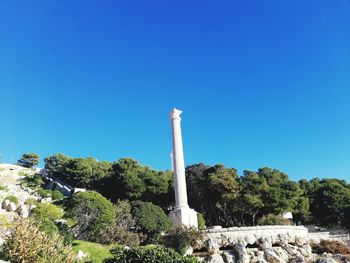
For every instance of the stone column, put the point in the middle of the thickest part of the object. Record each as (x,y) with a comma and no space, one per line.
(182,214)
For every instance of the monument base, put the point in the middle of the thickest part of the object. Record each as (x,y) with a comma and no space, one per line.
(184,216)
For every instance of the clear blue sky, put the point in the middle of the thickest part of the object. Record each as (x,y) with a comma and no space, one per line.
(261,83)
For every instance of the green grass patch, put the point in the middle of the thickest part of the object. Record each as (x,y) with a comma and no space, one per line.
(4,222)
(3,187)
(12,198)
(96,251)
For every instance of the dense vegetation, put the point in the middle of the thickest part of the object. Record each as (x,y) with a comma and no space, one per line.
(218,193)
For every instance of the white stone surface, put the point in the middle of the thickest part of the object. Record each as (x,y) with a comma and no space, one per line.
(182,214)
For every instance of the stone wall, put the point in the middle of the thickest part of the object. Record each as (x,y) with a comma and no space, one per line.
(56,184)
(253,235)
(279,244)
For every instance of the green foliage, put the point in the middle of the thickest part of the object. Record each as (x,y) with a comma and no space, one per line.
(134,181)
(43,192)
(122,232)
(201,221)
(271,219)
(330,203)
(151,221)
(12,198)
(148,255)
(29,160)
(49,211)
(180,238)
(31,201)
(56,195)
(93,215)
(79,172)
(3,187)
(97,252)
(4,221)
(33,181)
(47,225)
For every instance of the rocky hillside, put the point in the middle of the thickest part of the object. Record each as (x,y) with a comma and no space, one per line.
(13,196)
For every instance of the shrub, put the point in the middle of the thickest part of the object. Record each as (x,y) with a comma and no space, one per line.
(271,219)
(46,225)
(151,220)
(93,214)
(49,211)
(201,221)
(31,201)
(12,198)
(4,221)
(33,181)
(148,255)
(44,193)
(180,238)
(328,246)
(66,233)
(3,187)
(56,195)
(27,243)
(121,232)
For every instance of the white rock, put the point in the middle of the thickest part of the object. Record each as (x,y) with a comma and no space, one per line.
(5,203)
(229,256)
(11,207)
(46,200)
(81,255)
(215,258)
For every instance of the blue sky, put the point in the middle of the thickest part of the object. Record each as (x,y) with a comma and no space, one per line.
(261,83)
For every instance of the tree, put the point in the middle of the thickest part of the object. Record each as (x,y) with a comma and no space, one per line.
(331,203)
(29,160)
(150,219)
(93,215)
(55,165)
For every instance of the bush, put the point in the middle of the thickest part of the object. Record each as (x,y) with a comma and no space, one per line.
(180,238)
(12,198)
(151,221)
(3,187)
(66,233)
(46,225)
(49,211)
(328,246)
(56,195)
(201,221)
(93,214)
(121,232)
(31,201)
(43,193)
(148,255)
(27,243)
(271,219)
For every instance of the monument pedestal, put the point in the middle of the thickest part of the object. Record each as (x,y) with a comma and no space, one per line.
(184,216)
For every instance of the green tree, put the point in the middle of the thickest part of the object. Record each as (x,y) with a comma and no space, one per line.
(93,215)
(331,203)
(29,160)
(150,219)
(55,165)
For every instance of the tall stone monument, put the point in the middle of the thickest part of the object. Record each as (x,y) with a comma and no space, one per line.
(182,213)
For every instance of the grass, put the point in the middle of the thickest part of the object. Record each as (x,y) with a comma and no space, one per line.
(4,222)
(3,187)
(96,251)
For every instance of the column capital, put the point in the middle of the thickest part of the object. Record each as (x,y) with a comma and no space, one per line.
(175,114)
